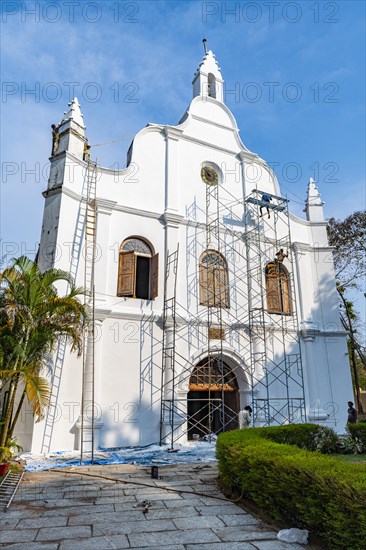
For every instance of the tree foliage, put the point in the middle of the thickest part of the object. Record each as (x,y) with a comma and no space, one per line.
(349,240)
(32,317)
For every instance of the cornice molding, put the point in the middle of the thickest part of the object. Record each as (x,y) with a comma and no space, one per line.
(53,191)
(102,314)
(213,123)
(300,246)
(172,218)
(105,206)
(172,132)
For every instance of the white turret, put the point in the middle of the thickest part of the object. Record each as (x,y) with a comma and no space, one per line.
(314,203)
(207,80)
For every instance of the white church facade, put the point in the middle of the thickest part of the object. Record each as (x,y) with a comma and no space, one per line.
(209,295)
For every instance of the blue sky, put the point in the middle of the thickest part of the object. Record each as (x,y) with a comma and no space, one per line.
(297,68)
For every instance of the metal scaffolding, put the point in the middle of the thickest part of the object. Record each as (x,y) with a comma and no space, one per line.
(252,349)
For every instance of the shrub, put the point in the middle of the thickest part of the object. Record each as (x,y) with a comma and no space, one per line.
(358,434)
(349,446)
(310,437)
(303,488)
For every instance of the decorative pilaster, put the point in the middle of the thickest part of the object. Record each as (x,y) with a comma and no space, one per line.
(91,414)
(259,362)
(105,255)
(310,333)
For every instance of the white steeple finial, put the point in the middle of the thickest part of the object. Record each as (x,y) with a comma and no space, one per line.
(313,203)
(71,130)
(74,113)
(207,80)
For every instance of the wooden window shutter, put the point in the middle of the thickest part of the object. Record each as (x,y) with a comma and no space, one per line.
(285,293)
(273,290)
(154,276)
(221,287)
(211,289)
(203,272)
(126,274)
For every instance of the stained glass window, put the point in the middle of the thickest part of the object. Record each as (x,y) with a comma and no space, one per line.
(138,246)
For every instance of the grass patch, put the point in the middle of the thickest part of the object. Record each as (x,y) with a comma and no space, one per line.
(356,459)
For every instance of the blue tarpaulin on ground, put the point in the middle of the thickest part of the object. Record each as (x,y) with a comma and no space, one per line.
(197,451)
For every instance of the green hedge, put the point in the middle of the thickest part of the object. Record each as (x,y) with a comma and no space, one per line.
(310,437)
(358,433)
(298,487)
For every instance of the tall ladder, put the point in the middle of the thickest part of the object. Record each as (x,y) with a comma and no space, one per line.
(90,236)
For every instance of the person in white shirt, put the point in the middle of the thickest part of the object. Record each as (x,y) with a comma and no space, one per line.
(244,417)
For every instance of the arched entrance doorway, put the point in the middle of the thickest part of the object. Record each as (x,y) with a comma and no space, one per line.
(213,398)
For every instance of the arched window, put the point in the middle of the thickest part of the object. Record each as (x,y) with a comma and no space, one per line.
(278,289)
(212,374)
(213,280)
(137,270)
(211,85)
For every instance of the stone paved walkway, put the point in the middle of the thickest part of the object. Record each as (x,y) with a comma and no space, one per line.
(57,511)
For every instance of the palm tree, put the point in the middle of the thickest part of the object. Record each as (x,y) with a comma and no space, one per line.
(32,317)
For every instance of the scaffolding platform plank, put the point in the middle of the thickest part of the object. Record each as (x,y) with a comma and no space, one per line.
(266,204)
(270,195)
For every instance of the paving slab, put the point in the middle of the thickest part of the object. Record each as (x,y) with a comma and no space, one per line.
(185,524)
(222,546)
(37,523)
(126,506)
(133,527)
(59,533)
(162,540)
(31,546)
(14,535)
(106,518)
(183,511)
(220,509)
(79,510)
(277,545)
(97,543)
(8,523)
(243,533)
(238,519)
(168,547)
(182,503)
(19,512)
